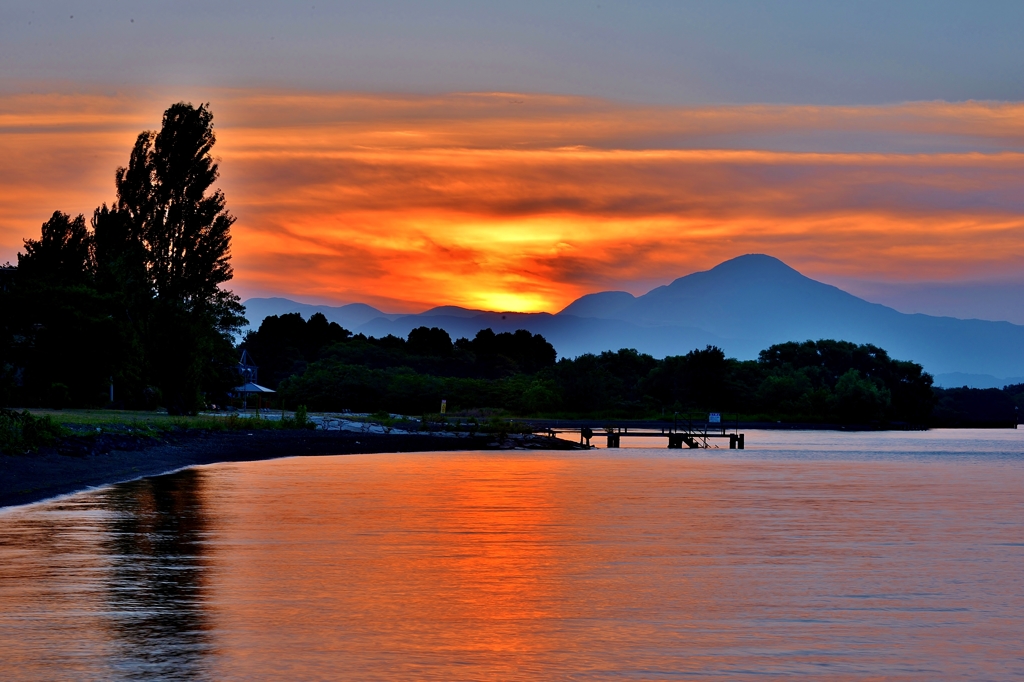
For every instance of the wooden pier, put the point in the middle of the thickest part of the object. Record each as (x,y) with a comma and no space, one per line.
(686,432)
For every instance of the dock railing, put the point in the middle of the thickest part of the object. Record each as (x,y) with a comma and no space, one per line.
(690,430)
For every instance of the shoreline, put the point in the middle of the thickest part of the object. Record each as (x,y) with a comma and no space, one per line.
(72,466)
(598,423)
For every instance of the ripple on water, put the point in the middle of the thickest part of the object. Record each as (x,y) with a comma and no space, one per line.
(846,556)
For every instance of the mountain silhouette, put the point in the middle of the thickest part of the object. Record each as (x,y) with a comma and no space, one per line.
(743,306)
(348,316)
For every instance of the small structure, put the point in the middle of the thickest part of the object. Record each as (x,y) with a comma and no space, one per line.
(249,372)
(245,390)
(247,369)
(687,431)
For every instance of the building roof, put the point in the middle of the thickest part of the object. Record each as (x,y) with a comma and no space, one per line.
(252,388)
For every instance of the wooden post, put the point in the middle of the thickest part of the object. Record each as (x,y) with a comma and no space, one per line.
(740,441)
(613,440)
(732,441)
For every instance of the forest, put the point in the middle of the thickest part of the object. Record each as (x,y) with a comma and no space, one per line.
(322,365)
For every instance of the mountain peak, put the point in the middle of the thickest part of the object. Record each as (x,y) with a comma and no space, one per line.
(752,266)
(601,305)
(452,311)
(759,262)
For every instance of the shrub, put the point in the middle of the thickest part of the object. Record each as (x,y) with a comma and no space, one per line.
(299,421)
(21,432)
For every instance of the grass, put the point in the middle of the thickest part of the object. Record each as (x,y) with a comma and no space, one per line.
(130,421)
(27,430)
(121,419)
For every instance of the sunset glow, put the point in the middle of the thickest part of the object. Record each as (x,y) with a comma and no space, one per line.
(523,202)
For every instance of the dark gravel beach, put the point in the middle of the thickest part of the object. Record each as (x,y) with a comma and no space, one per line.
(80,462)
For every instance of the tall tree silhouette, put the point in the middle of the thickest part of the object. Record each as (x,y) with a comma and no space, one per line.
(188,236)
(165,204)
(166,244)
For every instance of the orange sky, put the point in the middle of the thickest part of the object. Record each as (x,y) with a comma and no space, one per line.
(524,202)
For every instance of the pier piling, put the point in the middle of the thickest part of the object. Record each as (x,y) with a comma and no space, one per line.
(688,432)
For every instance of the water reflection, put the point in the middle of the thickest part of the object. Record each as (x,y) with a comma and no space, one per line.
(107,585)
(524,566)
(154,539)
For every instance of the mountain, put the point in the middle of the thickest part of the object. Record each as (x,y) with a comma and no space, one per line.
(754,301)
(743,306)
(958,379)
(452,311)
(348,316)
(605,305)
(570,335)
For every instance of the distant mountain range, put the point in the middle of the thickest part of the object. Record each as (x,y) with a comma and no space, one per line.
(742,305)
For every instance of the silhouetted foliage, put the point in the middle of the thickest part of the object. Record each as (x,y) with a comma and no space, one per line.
(139,298)
(977,407)
(57,323)
(430,341)
(817,381)
(21,432)
(609,382)
(166,215)
(62,256)
(843,381)
(699,380)
(285,344)
(507,353)
(1016,393)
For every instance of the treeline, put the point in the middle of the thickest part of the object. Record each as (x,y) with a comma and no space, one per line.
(132,301)
(978,407)
(319,364)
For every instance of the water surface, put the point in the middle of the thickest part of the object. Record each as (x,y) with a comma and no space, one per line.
(811,554)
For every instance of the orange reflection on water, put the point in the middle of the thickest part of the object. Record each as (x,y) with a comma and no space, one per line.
(524,566)
(520,567)
(392,556)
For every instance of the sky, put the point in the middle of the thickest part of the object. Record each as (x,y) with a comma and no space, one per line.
(514,156)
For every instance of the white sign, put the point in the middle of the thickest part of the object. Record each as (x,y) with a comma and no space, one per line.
(715,418)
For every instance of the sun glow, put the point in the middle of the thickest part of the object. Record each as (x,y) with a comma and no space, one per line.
(508,302)
(410,202)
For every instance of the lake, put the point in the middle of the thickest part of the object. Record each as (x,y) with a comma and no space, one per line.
(823,555)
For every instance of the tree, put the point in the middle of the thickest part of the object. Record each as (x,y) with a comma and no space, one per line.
(165,205)
(165,247)
(284,345)
(507,353)
(697,380)
(63,254)
(432,341)
(859,399)
(61,322)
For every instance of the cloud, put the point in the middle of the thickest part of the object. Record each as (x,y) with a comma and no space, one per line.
(524,202)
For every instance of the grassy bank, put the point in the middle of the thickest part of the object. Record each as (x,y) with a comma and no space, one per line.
(26,431)
(133,420)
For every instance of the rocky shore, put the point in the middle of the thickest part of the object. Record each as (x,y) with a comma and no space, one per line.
(79,462)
